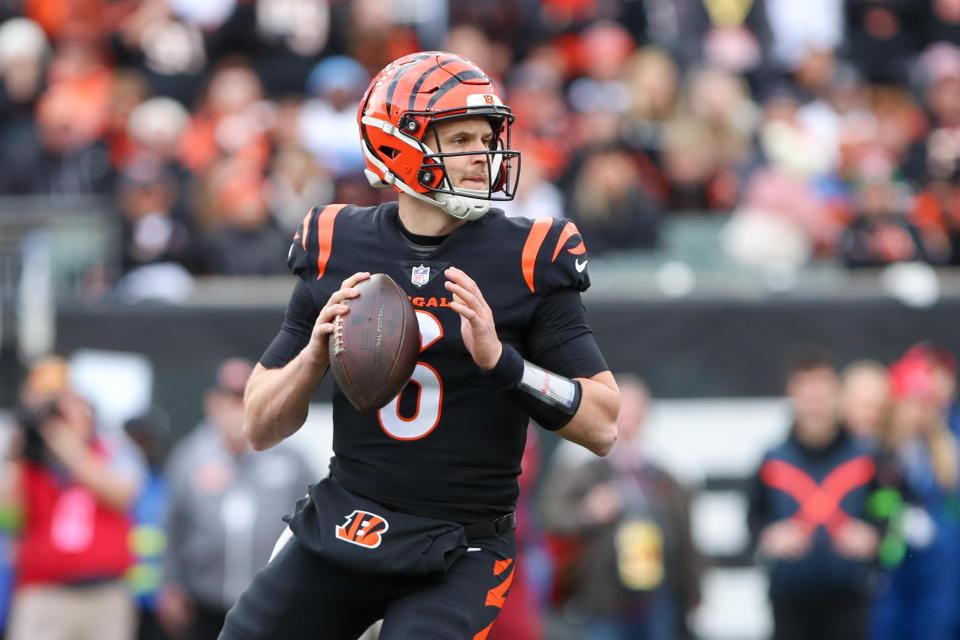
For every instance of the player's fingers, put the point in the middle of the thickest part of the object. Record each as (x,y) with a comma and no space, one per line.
(324,329)
(464,311)
(343,294)
(331,311)
(352,281)
(460,277)
(465,296)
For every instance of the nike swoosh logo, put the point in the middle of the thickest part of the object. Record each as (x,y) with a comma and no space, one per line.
(580,265)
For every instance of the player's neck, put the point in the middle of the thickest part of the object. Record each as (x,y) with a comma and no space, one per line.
(425,219)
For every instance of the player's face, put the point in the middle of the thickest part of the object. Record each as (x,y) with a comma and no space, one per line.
(471,135)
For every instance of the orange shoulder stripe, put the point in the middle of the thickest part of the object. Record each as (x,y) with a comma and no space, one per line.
(568,232)
(325,235)
(538,233)
(305,225)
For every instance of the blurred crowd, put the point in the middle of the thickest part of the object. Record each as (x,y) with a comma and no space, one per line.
(113,535)
(855,514)
(823,129)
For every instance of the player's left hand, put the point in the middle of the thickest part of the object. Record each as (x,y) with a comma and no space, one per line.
(476,319)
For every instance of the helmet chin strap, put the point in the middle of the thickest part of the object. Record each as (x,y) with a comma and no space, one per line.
(465,204)
(462,207)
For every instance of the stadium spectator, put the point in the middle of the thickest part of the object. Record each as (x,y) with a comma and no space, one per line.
(168,52)
(296,183)
(544,121)
(24,51)
(232,120)
(604,49)
(238,235)
(155,129)
(731,36)
(881,232)
(637,572)
(128,90)
(690,164)
(69,489)
(472,42)
(865,398)
(328,119)
(652,84)
(152,231)
(282,37)
(799,27)
(883,36)
(607,201)
(844,99)
(948,389)
(148,540)
(939,71)
(224,516)
(942,21)
(73,161)
(807,511)
(917,599)
(721,102)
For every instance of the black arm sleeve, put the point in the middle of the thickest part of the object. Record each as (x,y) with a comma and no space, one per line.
(560,340)
(295,331)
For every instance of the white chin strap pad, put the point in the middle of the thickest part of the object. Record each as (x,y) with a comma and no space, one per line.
(462,207)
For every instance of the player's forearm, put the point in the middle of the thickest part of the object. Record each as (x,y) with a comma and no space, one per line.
(594,426)
(276,401)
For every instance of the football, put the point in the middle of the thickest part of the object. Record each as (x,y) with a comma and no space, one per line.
(374,346)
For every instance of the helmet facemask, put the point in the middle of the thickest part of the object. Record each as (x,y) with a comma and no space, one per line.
(502,168)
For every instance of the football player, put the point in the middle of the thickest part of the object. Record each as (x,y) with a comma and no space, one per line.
(414,525)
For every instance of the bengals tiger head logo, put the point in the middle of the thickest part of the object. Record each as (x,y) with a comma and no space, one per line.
(363,528)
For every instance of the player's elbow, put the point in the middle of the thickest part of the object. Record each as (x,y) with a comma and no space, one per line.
(254,440)
(257,437)
(605,439)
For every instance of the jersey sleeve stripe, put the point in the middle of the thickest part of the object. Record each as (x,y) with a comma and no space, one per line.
(538,233)
(568,232)
(305,225)
(325,235)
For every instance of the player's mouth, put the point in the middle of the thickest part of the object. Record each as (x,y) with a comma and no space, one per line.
(474,182)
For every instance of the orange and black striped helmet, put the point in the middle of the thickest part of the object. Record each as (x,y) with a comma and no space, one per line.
(395,113)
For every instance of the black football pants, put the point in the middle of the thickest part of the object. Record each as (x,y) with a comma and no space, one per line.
(299,596)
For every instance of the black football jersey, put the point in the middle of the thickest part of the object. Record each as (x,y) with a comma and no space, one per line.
(449,446)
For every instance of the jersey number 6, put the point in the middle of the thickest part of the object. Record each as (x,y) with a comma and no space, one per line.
(429,391)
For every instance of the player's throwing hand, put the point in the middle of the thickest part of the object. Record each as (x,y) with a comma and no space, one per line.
(335,306)
(476,319)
